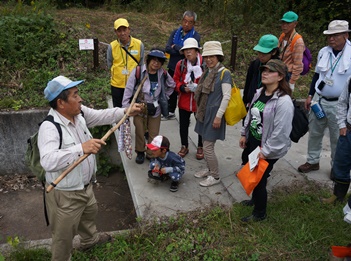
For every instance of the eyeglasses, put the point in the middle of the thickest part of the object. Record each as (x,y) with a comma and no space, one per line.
(334,35)
(188,22)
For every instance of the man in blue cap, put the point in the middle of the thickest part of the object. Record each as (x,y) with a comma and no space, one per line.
(72,207)
(291,47)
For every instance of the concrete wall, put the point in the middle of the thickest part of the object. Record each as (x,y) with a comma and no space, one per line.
(15,128)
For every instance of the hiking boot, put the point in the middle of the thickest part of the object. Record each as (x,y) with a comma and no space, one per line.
(253,218)
(202,173)
(307,167)
(247,203)
(103,238)
(174,186)
(183,151)
(199,153)
(210,181)
(140,157)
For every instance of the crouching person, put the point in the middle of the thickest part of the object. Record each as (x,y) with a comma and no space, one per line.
(165,164)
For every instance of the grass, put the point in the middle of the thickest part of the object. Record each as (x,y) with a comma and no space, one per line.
(298,227)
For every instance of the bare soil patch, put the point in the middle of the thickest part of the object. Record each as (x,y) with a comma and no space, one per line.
(22,211)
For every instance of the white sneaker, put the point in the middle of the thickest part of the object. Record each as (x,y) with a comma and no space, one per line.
(210,181)
(202,173)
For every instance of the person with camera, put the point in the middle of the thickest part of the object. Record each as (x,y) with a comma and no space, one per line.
(158,85)
(332,71)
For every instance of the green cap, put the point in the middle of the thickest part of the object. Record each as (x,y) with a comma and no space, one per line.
(266,43)
(290,17)
(275,65)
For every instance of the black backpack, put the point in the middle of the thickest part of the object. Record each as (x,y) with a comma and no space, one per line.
(299,123)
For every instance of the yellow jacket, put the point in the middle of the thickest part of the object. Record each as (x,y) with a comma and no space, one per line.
(122,61)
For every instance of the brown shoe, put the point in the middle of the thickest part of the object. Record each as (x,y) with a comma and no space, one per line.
(183,151)
(307,167)
(199,153)
(103,238)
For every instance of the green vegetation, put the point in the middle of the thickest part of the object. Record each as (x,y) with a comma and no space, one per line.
(41,42)
(298,227)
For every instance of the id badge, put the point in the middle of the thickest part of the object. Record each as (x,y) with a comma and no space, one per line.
(125,72)
(328,81)
(155,103)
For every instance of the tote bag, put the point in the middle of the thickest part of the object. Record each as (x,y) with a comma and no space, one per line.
(236,108)
(248,179)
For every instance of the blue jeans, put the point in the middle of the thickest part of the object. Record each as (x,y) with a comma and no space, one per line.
(342,160)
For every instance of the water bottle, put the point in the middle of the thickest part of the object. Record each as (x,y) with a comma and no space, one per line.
(318,110)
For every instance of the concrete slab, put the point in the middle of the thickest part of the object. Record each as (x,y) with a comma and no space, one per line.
(153,199)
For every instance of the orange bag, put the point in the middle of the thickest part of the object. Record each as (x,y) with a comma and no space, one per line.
(248,179)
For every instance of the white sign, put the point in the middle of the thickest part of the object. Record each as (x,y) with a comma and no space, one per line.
(86,44)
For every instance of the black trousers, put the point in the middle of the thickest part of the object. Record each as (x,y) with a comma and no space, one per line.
(117,96)
(172,102)
(259,194)
(184,122)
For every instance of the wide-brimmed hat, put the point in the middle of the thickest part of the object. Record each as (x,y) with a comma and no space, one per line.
(212,48)
(266,43)
(120,22)
(159,142)
(157,53)
(337,26)
(190,43)
(276,65)
(57,85)
(290,17)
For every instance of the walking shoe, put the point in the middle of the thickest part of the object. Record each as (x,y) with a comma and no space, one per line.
(174,186)
(171,116)
(140,157)
(210,181)
(103,238)
(199,153)
(183,151)
(253,218)
(307,167)
(247,203)
(202,173)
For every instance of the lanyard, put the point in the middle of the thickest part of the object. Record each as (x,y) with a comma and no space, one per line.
(124,62)
(333,65)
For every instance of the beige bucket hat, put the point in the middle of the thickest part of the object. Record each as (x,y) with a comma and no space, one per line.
(212,48)
(337,26)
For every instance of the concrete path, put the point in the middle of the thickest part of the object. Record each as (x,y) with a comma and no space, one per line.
(153,199)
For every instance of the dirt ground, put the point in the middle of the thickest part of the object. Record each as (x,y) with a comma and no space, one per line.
(22,212)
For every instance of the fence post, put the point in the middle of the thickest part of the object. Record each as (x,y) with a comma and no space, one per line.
(233,53)
(96,53)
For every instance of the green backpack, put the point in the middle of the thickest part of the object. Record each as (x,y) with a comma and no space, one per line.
(32,156)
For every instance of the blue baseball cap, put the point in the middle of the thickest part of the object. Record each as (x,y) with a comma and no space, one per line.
(157,53)
(57,85)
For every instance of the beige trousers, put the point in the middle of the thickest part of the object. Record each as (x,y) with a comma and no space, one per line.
(211,158)
(152,126)
(71,213)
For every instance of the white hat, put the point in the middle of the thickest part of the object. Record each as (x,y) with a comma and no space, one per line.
(190,43)
(337,26)
(212,48)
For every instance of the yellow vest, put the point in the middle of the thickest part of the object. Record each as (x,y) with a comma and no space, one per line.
(122,62)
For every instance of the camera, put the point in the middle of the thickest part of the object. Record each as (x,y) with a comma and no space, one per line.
(321,85)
